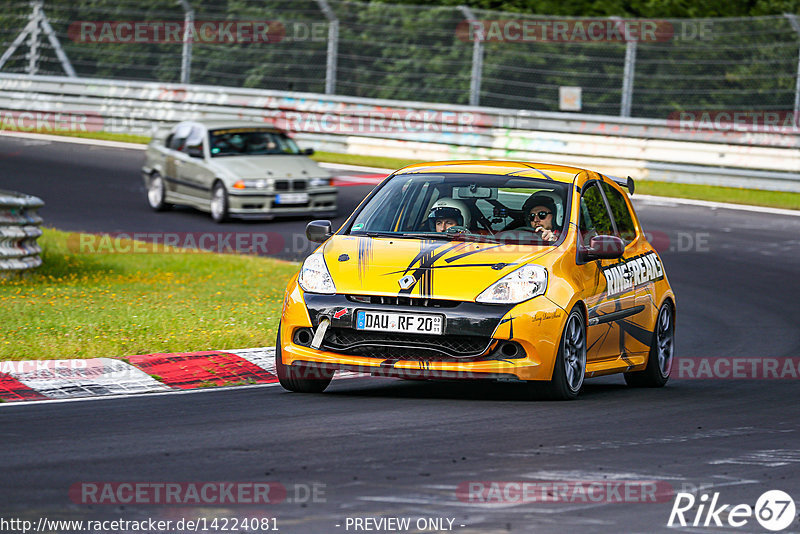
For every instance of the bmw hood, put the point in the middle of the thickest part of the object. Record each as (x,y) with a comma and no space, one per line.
(281,166)
(451,270)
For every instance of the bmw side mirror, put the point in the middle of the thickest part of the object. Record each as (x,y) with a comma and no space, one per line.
(604,247)
(308,152)
(318,231)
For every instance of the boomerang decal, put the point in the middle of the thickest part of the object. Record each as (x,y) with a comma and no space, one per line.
(425,258)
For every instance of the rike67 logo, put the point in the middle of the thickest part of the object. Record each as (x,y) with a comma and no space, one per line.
(774,511)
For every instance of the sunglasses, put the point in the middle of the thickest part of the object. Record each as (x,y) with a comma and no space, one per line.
(540,214)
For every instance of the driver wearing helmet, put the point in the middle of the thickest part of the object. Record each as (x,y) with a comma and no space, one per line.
(447,213)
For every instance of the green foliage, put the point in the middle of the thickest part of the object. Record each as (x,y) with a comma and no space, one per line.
(413,51)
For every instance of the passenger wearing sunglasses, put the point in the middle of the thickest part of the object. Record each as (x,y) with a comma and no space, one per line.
(540,212)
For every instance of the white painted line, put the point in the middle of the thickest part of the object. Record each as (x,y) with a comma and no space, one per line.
(74,140)
(5,405)
(359,168)
(670,201)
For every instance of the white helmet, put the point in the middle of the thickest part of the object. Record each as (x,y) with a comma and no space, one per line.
(449,208)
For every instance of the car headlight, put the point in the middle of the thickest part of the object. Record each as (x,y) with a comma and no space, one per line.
(314,276)
(252,184)
(319,182)
(521,284)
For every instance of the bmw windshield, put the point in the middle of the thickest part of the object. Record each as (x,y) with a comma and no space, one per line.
(468,207)
(250,142)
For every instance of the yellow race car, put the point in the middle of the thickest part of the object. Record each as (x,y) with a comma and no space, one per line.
(496,270)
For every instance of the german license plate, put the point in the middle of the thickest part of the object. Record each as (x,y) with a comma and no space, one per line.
(412,323)
(291,198)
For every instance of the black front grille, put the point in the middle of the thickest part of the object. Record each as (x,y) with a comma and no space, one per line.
(403,301)
(281,185)
(299,185)
(400,346)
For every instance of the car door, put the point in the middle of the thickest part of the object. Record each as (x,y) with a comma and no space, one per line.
(644,268)
(613,297)
(193,172)
(175,158)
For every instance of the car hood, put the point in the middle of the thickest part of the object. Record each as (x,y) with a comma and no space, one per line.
(451,270)
(282,166)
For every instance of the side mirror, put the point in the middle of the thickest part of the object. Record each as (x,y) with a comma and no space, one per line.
(308,152)
(603,247)
(318,231)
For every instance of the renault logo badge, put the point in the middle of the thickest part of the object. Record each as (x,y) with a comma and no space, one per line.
(407,281)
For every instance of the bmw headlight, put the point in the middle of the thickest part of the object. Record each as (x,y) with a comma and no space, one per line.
(314,276)
(521,284)
(319,182)
(252,184)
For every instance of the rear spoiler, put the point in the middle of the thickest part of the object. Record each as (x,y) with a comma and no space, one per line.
(623,182)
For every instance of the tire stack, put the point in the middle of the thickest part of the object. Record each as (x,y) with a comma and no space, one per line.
(19,230)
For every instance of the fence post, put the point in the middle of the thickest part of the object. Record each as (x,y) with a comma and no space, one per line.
(33,38)
(476,31)
(186,54)
(333,47)
(796,27)
(629,70)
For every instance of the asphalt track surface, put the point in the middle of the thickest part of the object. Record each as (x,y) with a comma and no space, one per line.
(382,447)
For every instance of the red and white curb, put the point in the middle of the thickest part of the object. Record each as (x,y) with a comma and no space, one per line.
(31,380)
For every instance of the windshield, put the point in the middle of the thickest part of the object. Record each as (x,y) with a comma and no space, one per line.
(250,142)
(468,207)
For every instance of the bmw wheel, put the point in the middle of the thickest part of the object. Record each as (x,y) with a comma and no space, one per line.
(570,366)
(157,193)
(219,203)
(662,351)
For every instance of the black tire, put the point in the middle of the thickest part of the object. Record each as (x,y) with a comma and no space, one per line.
(569,370)
(219,203)
(662,352)
(157,193)
(302,380)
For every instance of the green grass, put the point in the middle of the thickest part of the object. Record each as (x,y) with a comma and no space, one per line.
(733,195)
(366,161)
(82,305)
(105,136)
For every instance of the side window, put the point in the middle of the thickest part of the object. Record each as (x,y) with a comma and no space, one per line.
(594,218)
(622,216)
(178,137)
(194,142)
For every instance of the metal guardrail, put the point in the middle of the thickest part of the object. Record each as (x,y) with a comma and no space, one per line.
(19,230)
(758,157)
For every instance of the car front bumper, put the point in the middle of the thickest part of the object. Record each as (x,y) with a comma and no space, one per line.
(421,358)
(258,205)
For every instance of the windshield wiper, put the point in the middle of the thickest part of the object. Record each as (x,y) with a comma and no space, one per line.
(442,236)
